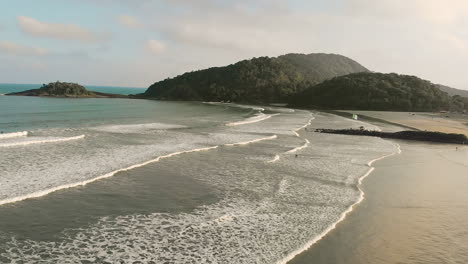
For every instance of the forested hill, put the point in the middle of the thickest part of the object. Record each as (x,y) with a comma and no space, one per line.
(378,91)
(258,80)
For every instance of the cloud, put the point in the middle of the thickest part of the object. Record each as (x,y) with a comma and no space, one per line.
(11,48)
(59,31)
(155,46)
(129,21)
(436,11)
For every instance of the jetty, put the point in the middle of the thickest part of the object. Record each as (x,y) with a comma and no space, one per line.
(406,135)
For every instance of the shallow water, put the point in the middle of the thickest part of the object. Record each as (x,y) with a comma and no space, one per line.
(176,182)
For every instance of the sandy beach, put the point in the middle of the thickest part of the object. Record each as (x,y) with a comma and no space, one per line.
(440,122)
(414,208)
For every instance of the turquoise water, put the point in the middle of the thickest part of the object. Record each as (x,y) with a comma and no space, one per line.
(11,88)
(126,180)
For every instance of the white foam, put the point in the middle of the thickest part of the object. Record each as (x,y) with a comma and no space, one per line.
(137,128)
(251,120)
(304,126)
(275,159)
(253,107)
(39,140)
(112,173)
(306,144)
(107,175)
(343,215)
(13,135)
(251,141)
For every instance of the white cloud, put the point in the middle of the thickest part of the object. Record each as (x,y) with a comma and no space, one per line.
(436,11)
(129,21)
(59,31)
(11,48)
(155,46)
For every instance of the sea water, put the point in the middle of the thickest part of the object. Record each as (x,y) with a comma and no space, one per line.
(122,180)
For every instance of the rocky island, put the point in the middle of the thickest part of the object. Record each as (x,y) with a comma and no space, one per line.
(66,89)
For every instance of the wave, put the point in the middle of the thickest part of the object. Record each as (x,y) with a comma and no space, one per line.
(107,175)
(112,173)
(251,120)
(306,144)
(257,108)
(137,128)
(40,141)
(251,141)
(304,126)
(343,215)
(275,159)
(13,135)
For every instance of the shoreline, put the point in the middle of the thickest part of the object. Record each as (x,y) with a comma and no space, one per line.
(343,215)
(411,214)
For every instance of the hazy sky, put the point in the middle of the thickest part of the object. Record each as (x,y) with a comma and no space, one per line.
(138,42)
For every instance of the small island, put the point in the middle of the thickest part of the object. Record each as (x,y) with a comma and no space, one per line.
(66,89)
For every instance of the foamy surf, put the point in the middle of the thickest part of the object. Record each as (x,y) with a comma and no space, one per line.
(275,159)
(252,120)
(137,128)
(306,144)
(343,215)
(112,173)
(304,126)
(251,141)
(13,134)
(33,140)
(107,175)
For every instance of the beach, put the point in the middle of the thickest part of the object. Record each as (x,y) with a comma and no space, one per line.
(439,122)
(415,211)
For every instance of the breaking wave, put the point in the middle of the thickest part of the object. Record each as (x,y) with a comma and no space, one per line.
(13,135)
(251,120)
(137,128)
(38,140)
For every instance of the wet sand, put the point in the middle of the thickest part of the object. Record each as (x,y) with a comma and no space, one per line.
(415,211)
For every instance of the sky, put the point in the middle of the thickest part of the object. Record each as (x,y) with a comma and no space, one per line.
(138,42)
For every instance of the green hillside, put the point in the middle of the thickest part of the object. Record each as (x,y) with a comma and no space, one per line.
(258,80)
(378,91)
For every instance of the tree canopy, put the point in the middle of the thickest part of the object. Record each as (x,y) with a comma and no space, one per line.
(378,91)
(258,80)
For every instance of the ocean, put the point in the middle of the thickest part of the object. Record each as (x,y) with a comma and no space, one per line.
(143,181)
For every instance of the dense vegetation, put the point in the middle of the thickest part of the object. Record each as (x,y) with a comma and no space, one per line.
(259,80)
(66,89)
(63,89)
(378,91)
